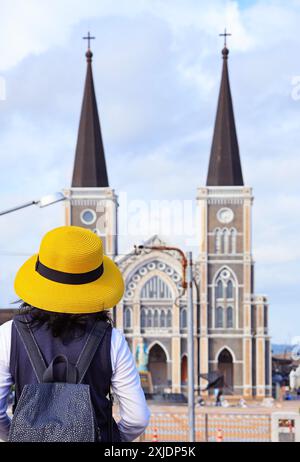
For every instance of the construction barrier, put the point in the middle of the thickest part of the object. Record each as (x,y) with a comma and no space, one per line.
(155,436)
(219,437)
(209,427)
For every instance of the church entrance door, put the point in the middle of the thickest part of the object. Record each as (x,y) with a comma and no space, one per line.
(184,373)
(158,368)
(225,366)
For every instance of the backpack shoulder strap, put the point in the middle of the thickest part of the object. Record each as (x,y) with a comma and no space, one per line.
(93,341)
(34,353)
(86,356)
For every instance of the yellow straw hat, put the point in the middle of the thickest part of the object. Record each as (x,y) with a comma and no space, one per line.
(70,274)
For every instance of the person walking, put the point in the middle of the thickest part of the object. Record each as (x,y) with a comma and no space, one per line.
(64,326)
(219,393)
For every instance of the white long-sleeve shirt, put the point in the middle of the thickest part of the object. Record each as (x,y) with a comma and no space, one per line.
(125,384)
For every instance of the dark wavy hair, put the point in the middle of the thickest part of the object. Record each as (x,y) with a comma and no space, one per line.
(68,327)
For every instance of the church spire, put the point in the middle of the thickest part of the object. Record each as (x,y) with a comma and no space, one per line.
(90,166)
(225,165)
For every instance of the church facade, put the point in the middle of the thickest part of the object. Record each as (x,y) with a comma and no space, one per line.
(230,320)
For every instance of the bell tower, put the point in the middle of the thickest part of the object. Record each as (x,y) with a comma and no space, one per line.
(92,202)
(233,337)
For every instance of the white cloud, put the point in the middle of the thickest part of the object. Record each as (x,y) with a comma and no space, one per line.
(35,26)
(157,70)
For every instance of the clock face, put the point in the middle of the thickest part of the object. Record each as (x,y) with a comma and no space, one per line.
(225,215)
(88,216)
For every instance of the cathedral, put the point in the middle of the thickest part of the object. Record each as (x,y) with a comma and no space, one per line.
(230,320)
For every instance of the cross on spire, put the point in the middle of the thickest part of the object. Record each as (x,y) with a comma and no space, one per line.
(225,35)
(89,38)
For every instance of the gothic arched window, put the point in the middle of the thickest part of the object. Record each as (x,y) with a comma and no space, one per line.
(163,319)
(149,319)
(233,240)
(156,319)
(169,318)
(157,301)
(229,317)
(127,318)
(156,288)
(183,318)
(143,318)
(218,240)
(219,317)
(229,289)
(225,247)
(225,301)
(219,289)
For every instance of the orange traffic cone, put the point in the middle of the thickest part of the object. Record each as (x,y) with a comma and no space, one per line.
(155,435)
(219,437)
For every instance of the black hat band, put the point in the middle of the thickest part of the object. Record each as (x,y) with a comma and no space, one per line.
(68,278)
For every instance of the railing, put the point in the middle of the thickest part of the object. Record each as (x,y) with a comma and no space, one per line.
(231,427)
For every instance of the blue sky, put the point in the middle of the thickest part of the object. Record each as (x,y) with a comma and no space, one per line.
(157,68)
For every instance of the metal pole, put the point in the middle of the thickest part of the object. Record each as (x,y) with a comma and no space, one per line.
(43,202)
(13,209)
(206,428)
(190,320)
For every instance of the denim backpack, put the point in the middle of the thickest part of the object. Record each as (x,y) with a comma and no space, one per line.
(52,411)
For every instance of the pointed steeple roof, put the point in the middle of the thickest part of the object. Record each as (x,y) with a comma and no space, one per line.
(89,166)
(225,165)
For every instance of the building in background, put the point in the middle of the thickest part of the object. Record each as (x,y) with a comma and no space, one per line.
(231,322)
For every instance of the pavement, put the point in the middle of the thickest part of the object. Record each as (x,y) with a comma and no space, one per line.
(252,407)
